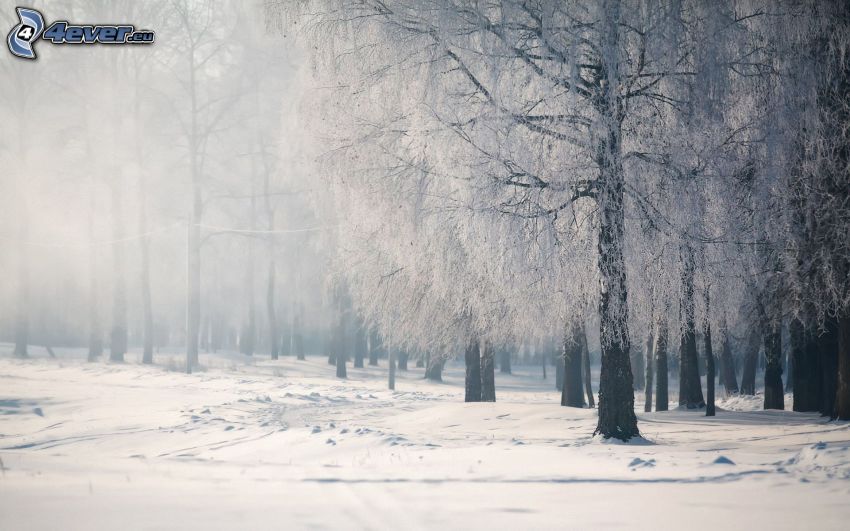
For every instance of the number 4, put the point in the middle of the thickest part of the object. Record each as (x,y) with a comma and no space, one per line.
(26,32)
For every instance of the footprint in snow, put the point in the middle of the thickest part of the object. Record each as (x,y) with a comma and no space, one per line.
(331,442)
(316,429)
(722,460)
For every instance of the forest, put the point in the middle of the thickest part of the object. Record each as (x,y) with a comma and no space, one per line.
(288,229)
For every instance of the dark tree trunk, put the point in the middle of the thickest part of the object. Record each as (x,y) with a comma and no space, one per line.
(730,379)
(709,367)
(690,388)
(373,347)
(434,367)
(647,397)
(842,395)
(558,362)
(585,356)
(639,370)
(473,372)
(661,372)
(572,394)
(805,367)
(488,373)
(616,387)
(751,355)
(588,383)
(505,360)
(827,344)
(774,397)
(403,357)
(420,363)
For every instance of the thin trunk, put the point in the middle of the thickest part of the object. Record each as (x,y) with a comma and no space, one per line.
(95,334)
(774,397)
(391,363)
(473,372)
(585,354)
(488,373)
(709,360)
(505,360)
(748,379)
(572,394)
(341,350)
(730,379)
(827,344)
(647,397)
(403,357)
(842,395)
(270,306)
(373,347)
(118,333)
(558,362)
(690,388)
(359,344)
(661,370)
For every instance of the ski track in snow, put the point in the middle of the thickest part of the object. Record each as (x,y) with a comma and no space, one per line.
(251,443)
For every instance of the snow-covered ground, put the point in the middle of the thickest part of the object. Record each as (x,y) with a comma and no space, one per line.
(259,445)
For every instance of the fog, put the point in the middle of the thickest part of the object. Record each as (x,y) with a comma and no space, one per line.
(426,263)
(100,156)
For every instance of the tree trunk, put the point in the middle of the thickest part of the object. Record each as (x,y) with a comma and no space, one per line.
(804,367)
(616,390)
(638,370)
(774,397)
(270,306)
(730,379)
(296,338)
(647,397)
(341,350)
(748,379)
(193,312)
(373,347)
(359,344)
(842,395)
(709,368)
(147,307)
(558,362)
(661,395)
(95,334)
(588,383)
(488,373)
(690,388)
(434,367)
(827,344)
(118,334)
(572,394)
(473,372)
(505,360)
(391,368)
(403,357)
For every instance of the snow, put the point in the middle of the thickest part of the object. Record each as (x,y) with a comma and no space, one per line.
(256,444)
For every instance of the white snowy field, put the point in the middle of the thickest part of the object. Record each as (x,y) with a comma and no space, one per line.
(258,444)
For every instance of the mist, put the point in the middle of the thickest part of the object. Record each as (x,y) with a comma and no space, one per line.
(438,264)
